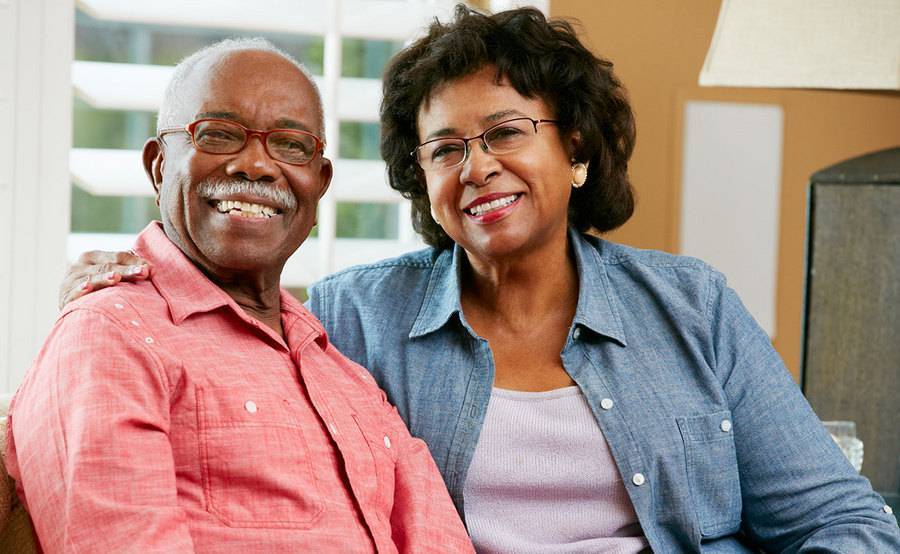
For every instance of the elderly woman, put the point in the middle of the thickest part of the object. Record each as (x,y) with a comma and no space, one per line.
(577,395)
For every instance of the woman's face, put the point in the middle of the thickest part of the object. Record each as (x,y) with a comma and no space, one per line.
(528,189)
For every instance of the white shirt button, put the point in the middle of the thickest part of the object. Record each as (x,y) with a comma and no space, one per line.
(576,333)
(606,403)
(887,509)
(135,323)
(250,406)
(638,479)
(119,306)
(149,340)
(333,428)
(387,441)
(725,426)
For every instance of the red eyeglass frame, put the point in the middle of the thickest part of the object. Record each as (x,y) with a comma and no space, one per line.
(263,138)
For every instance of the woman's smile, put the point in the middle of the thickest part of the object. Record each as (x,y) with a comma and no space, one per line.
(492,207)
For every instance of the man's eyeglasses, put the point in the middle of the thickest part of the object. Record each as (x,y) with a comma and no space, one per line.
(221,136)
(502,138)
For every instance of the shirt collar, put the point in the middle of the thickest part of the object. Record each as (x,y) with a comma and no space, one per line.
(182,285)
(188,291)
(595,309)
(442,298)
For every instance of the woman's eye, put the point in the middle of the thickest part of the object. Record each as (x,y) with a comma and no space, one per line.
(505,133)
(445,150)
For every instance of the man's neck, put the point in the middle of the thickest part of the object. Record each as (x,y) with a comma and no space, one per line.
(259,300)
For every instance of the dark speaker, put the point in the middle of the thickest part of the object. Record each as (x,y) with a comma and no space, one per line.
(851,344)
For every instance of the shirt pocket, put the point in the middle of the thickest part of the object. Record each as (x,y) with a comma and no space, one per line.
(380,448)
(712,472)
(255,462)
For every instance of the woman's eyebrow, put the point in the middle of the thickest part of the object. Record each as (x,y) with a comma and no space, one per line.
(492,118)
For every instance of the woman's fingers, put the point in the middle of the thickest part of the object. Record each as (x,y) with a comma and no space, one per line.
(96,270)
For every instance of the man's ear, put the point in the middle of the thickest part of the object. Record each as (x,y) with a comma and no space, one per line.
(326,171)
(153,157)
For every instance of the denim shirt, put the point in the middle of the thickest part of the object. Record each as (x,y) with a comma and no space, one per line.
(716,444)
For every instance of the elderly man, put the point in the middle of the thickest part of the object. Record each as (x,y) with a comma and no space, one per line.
(205,409)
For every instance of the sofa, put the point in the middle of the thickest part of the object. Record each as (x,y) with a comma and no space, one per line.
(16,531)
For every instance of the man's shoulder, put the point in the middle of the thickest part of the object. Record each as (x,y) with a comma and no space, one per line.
(126,305)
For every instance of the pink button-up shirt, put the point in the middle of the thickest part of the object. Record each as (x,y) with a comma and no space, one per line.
(160,417)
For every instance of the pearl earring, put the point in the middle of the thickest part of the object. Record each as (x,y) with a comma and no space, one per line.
(579,173)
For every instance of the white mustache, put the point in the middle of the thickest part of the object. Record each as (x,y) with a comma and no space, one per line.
(217,188)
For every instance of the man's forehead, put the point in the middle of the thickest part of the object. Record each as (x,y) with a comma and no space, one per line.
(255,76)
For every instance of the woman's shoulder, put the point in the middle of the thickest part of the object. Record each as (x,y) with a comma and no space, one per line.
(411,264)
(390,277)
(638,272)
(613,253)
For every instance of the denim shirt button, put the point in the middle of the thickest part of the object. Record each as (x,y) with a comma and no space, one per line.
(576,333)
(725,426)
(606,403)
(887,509)
(638,479)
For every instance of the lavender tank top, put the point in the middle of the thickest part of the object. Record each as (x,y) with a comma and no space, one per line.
(542,480)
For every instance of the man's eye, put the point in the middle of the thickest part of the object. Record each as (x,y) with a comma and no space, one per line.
(293,146)
(217,135)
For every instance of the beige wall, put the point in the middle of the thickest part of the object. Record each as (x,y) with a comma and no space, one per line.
(658,47)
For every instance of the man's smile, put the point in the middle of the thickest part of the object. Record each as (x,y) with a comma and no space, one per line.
(244,209)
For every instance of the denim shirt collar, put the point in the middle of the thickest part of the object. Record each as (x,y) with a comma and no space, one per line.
(595,310)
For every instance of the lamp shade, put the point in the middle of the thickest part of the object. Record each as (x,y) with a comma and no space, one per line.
(830,44)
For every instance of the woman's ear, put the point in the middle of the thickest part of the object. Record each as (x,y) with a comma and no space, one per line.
(573,144)
(153,156)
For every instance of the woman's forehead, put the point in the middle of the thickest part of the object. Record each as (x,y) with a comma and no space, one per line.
(476,99)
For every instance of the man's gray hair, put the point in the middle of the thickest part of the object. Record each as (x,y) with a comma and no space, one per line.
(173,103)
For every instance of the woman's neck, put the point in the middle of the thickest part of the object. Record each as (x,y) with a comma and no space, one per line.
(515,289)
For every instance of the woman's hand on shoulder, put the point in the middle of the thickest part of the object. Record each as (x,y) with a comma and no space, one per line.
(97,270)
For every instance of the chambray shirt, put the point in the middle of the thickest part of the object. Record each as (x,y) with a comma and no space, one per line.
(716,445)
(161,417)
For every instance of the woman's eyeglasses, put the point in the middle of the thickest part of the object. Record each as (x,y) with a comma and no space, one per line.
(503,138)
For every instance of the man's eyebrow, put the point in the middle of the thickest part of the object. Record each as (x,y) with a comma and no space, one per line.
(492,118)
(217,115)
(283,123)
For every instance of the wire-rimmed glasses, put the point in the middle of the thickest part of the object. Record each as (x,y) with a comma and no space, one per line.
(503,138)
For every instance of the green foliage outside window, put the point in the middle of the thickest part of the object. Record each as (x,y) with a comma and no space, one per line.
(359,141)
(366,58)
(105,41)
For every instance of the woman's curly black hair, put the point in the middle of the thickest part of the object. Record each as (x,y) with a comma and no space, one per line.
(540,58)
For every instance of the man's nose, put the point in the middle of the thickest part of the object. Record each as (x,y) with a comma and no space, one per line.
(253,163)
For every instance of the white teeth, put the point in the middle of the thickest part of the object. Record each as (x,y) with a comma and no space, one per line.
(482,209)
(245,209)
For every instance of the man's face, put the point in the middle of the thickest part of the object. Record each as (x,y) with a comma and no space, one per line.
(259,90)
